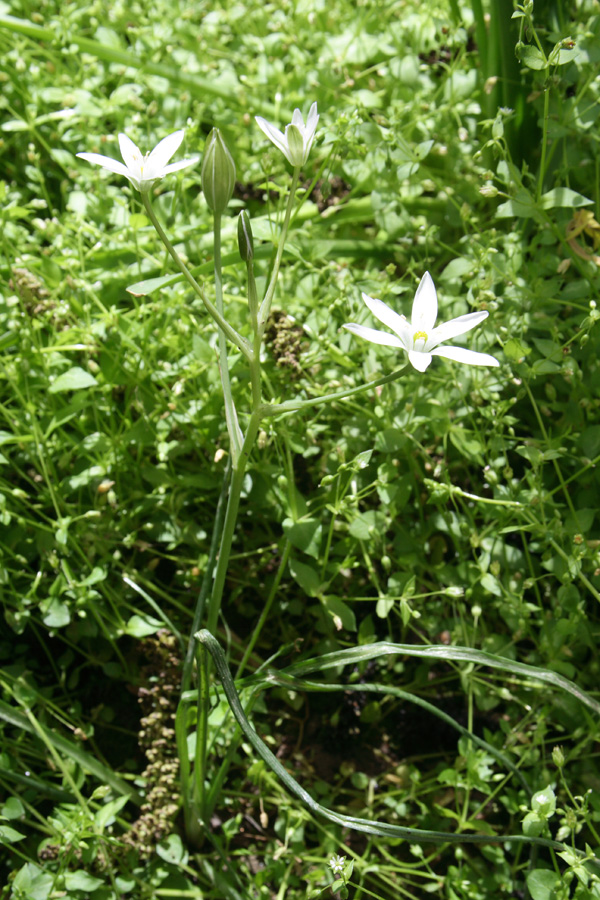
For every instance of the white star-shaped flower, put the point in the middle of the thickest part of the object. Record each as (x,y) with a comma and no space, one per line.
(295,144)
(337,864)
(419,337)
(143,171)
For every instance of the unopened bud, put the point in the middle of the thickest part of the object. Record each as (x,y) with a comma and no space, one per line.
(488,190)
(245,240)
(558,757)
(218,172)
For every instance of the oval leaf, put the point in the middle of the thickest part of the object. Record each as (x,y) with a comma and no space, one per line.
(76,379)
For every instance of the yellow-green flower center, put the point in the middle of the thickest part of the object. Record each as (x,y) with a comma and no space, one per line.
(419,335)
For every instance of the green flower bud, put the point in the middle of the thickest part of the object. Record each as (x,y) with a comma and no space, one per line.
(218,172)
(558,757)
(245,240)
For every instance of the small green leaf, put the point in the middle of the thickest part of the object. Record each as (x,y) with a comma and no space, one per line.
(532,57)
(542,883)
(8,835)
(32,883)
(533,824)
(107,814)
(390,440)
(342,611)
(491,584)
(56,613)
(13,809)
(305,576)
(81,881)
(384,607)
(535,456)
(305,535)
(142,626)
(520,206)
(138,220)
(563,196)
(589,441)
(515,350)
(149,285)
(172,850)
(368,524)
(76,379)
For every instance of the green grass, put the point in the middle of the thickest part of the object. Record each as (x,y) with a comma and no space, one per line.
(378,534)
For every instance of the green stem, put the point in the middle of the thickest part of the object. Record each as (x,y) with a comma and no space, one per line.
(231,333)
(255,363)
(265,307)
(186,678)
(235,435)
(237,482)
(270,409)
(190,811)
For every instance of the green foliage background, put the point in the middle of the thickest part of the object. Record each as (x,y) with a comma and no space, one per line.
(454,507)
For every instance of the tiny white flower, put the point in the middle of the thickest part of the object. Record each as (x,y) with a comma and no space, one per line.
(143,171)
(295,144)
(419,337)
(337,864)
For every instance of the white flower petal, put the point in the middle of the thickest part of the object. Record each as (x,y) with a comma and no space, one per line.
(164,150)
(106,162)
(424,309)
(376,337)
(391,319)
(298,119)
(419,360)
(274,135)
(468,357)
(311,121)
(175,167)
(132,155)
(455,327)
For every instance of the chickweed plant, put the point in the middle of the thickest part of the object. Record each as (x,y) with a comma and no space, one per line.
(300,585)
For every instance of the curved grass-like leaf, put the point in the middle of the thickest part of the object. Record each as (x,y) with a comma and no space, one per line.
(355,655)
(368,826)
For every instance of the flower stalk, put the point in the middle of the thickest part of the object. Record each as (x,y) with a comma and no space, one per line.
(235,338)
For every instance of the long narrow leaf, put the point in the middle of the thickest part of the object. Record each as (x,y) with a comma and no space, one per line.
(368,826)
(354,655)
